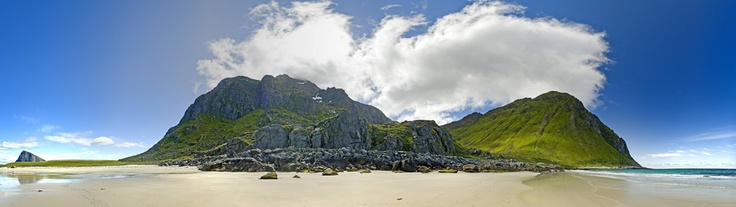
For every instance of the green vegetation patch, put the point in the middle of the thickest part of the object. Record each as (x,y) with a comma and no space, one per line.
(69,163)
(400,131)
(552,128)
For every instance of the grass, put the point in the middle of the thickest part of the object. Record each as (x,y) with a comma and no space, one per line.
(206,131)
(71,163)
(552,128)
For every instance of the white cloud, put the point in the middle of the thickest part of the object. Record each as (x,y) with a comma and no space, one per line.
(48,128)
(18,145)
(81,138)
(706,153)
(486,54)
(102,141)
(129,144)
(84,138)
(666,154)
(713,136)
(390,6)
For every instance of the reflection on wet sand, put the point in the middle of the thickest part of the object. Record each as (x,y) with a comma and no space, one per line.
(27,178)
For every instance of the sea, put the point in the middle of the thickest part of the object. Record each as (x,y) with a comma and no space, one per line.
(700,178)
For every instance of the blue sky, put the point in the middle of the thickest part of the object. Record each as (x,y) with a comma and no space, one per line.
(106,79)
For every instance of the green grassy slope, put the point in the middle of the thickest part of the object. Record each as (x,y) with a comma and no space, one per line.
(552,128)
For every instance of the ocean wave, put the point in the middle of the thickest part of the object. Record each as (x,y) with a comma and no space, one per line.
(669,178)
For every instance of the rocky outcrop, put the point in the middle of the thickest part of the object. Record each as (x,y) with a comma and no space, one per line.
(351,131)
(428,137)
(317,160)
(26,156)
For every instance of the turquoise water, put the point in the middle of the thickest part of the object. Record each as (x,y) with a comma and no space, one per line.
(708,178)
(11,181)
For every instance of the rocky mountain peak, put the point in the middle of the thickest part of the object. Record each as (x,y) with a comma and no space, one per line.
(26,156)
(237,96)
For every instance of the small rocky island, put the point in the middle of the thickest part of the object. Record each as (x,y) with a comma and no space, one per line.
(26,156)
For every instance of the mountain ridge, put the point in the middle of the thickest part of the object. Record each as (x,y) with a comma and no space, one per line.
(281,112)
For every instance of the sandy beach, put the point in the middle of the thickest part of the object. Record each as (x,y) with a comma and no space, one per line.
(171,186)
(174,186)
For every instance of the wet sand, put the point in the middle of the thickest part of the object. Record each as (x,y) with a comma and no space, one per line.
(584,190)
(173,186)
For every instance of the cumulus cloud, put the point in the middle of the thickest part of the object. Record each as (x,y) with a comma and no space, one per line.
(19,145)
(487,54)
(102,141)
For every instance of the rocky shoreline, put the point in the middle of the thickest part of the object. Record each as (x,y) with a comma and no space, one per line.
(346,159)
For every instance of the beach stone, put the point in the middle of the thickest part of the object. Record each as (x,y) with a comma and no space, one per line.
(365,171)
(270,176)
(407,166)
(329,172)
(296,176)
(447,171)
(424,169)
(470,168)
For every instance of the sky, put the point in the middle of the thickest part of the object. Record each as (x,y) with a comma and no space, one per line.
(106,79)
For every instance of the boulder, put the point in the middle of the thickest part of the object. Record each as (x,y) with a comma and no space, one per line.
(270,176)
(424,169)
(447,171)
(329,172)
(470,168)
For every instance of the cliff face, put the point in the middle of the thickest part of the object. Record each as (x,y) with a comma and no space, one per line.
(348,130)
(283,112)
(26,156)
(553,127)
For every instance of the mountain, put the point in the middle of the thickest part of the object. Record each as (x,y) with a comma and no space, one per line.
(241,113)
(26,156)
(553,128)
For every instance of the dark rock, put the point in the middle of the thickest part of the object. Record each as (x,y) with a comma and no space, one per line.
(329,172)
(424,169)
(320,159)
(26,156)
(407,166)
(270,176)
(296,176)
(470,168)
